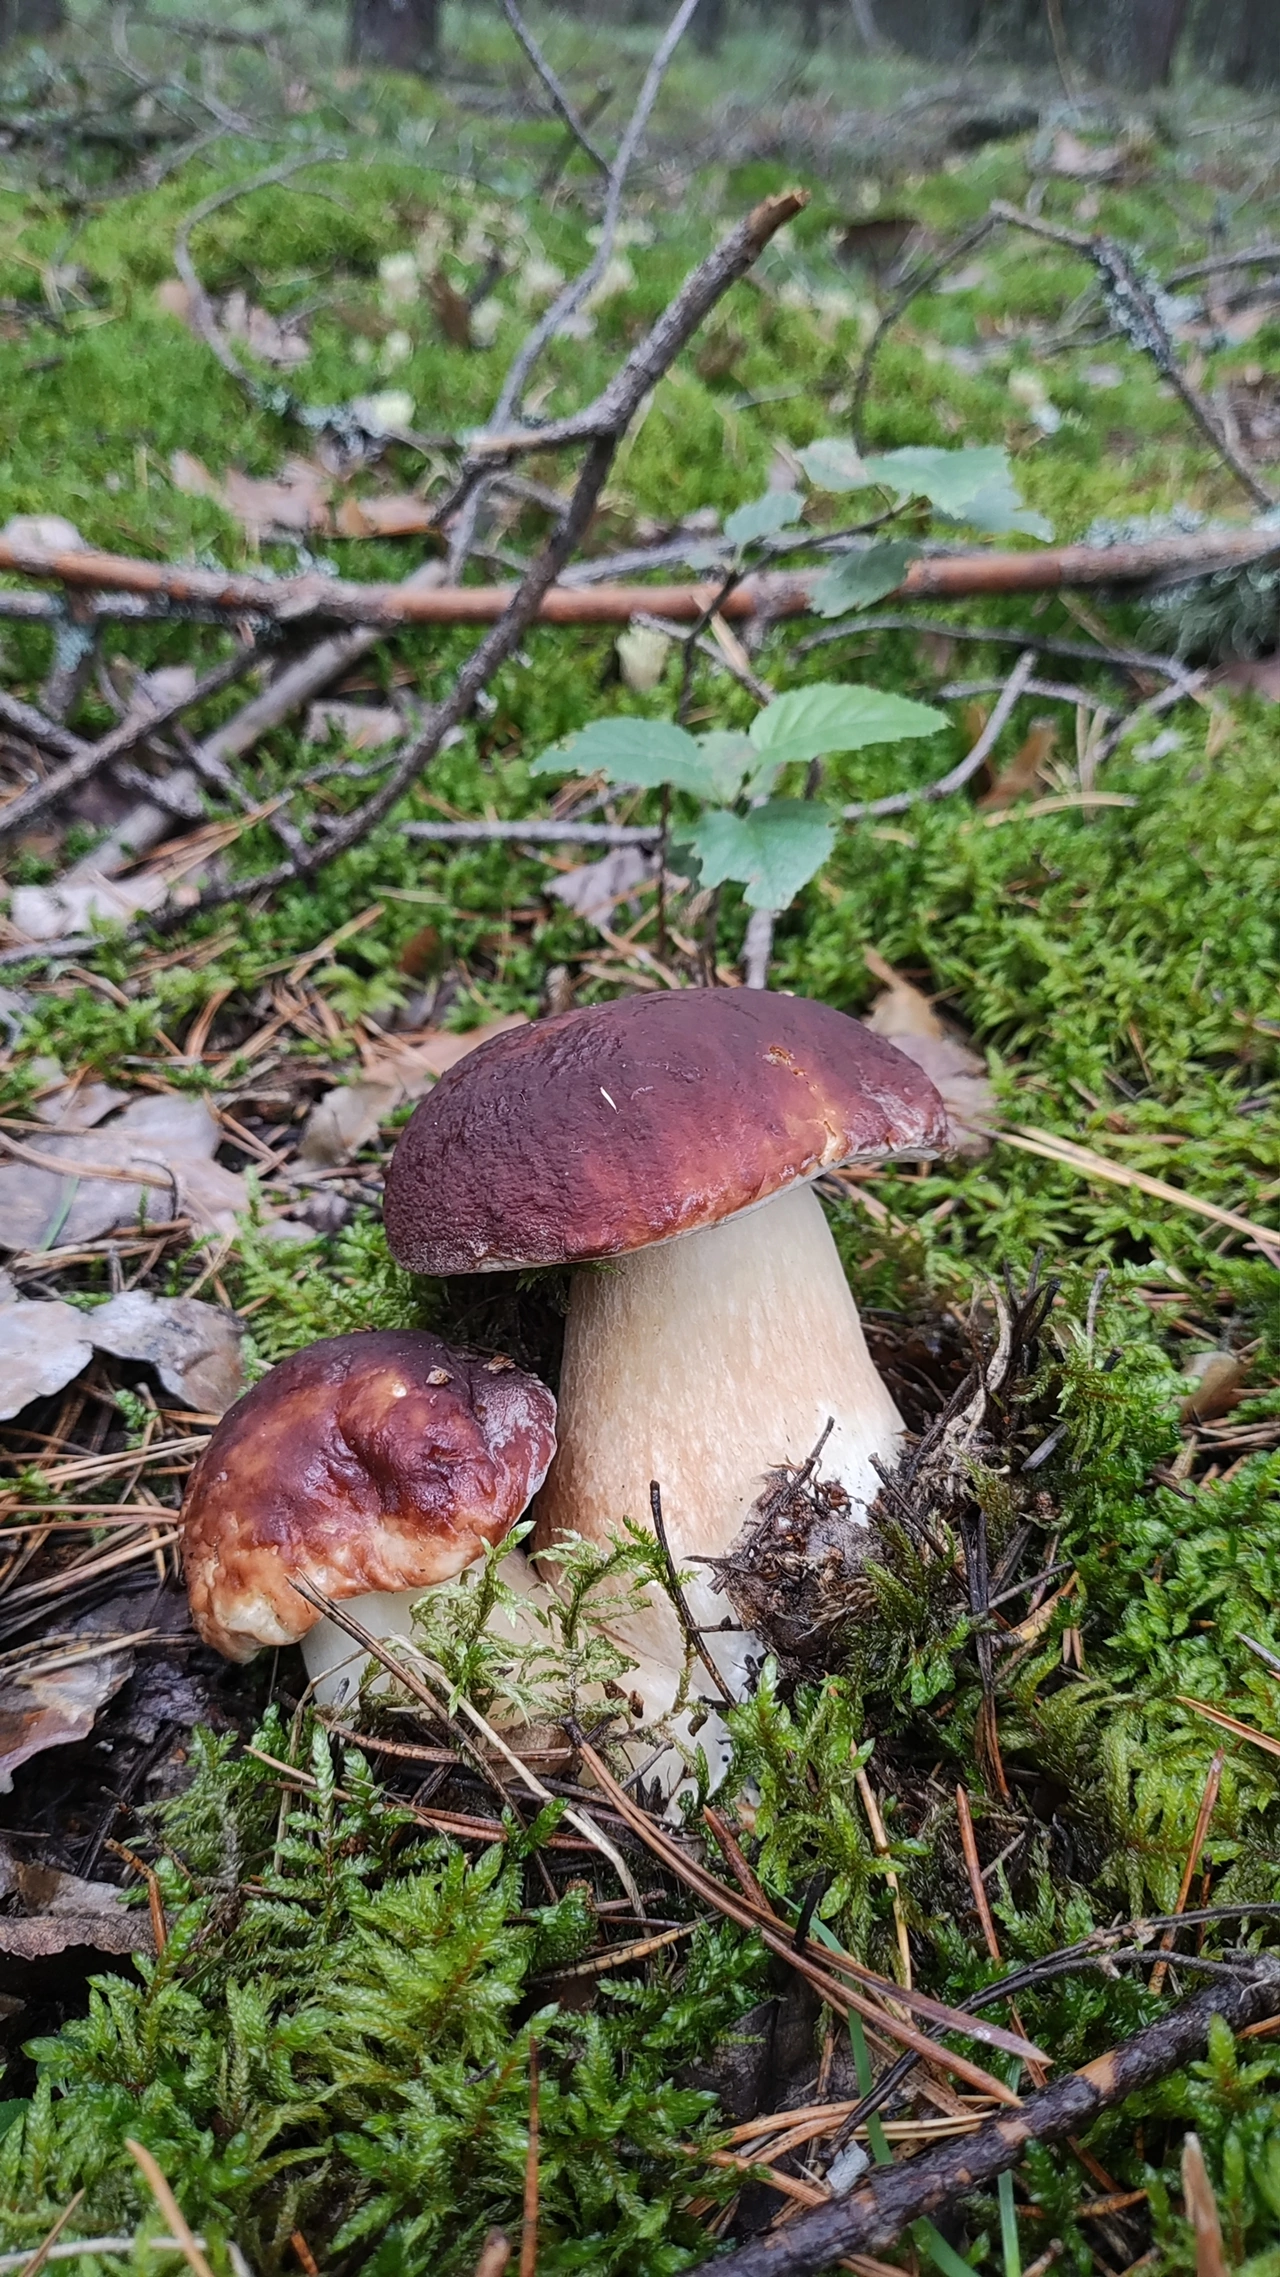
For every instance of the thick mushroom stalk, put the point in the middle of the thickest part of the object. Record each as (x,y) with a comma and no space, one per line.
(372,1466)
(664,1144)
(768,1349)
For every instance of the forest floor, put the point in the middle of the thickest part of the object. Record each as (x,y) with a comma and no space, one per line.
(318,2011)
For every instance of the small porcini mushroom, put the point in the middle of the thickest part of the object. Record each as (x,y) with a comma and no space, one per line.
(385,1461)
(666,1145)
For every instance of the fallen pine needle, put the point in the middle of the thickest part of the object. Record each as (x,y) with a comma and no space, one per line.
(1208,1805)
(169,2206)
(1230,1723)
(1051,1148)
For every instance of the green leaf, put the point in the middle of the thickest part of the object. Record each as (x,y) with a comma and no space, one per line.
(807,722)
(775,511)
(772,851)
(729,758)
(973,486)
(858,579)
(646,752)
(833,464)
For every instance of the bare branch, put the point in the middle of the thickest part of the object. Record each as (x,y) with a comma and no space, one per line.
(899,801)
(555,88)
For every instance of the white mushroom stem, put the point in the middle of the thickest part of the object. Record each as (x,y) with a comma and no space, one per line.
(705,1363)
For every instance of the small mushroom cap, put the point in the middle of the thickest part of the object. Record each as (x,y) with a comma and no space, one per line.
(385,1460)
(623,1124)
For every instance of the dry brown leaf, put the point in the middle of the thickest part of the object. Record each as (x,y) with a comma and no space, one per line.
(592,890)
(173,1139)
(64,1909)
(272,339)
(51,1709)
(397,516)
(1026,767)
(55,912)
(193,1347)
(78,1106)
(294,501)
(1083,161)
(1260,673)
(905,1017)
(1214,1380)
(348,1117)
(361,727)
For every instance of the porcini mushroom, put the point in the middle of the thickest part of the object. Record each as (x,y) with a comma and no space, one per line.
(666,1145)
(374,1466)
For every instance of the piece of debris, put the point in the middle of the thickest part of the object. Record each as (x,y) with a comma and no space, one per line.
(60,1909)
(170,1140)
(360,727)
(592,890)
(193,1347)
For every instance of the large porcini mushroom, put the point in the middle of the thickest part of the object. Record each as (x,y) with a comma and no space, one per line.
(666,1144)
(374,1466)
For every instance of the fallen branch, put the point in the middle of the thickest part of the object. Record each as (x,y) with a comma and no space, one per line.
(89,758)
(554,87)
(876,2215)
(959,576)
(1134,307)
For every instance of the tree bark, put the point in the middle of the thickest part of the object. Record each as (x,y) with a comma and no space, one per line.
(400,35)
(1254,56)
(1144,38)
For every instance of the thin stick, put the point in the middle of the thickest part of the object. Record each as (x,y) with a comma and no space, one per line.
(529,2222)
(919,282)
(155,1902)
(900,801)
(169,2207)
(1202,2211)
(554,87)
(693,1634)
(201,307)
(88,758)
(536,833)
(876,2214)
(1208,1805)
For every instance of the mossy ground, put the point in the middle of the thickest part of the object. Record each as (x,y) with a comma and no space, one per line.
(1118,967)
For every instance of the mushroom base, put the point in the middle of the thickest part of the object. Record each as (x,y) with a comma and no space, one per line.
(708,1363)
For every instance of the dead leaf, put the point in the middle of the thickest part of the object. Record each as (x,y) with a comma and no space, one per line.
(43,1346)
(592,891)
(274,340)
(174,1139)
(348,1117)
(395,516)
(52,1707)
(361,727)
(193,1347)
(1214,1379)
(1260,673)
(52,913)
(453,311)
(64,1909)
(1026,767)
(905,1017)
(1082,161)
(294,501)
(344,1121)
(78,1106)
(643,657)
(49,533)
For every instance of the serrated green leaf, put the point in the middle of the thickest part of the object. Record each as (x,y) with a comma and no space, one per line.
(975,486)
(730,758)
(948,479)
(833,464)
(777,510)
(772,851)
(807,722)
(645,752)
(858,579)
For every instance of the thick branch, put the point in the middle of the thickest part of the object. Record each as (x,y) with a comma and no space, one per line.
(876,2215)
(937,577)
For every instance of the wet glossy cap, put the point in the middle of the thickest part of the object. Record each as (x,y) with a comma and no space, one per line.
(386,1460)
(628,1123)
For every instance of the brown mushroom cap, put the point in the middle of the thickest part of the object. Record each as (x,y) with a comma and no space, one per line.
(384,1460)
(622,1124)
